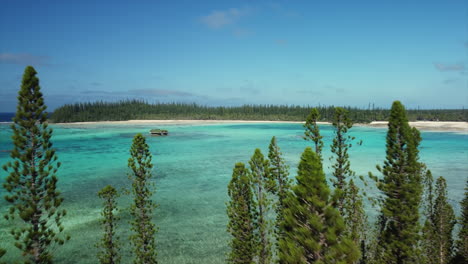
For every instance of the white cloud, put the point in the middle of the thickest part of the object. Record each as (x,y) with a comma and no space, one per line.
(23,59)
(449,67)
(220,18)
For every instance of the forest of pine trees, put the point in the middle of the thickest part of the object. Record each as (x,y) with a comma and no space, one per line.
(140,110)
(271,218)
(321,222)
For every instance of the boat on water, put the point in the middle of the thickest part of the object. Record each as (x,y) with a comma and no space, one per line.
(159,132)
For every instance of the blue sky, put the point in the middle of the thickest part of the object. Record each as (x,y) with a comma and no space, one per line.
(238,52)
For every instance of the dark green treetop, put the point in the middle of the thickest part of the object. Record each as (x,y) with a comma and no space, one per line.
(109,244)
(314,230)
(312,131)
(32,182)
(241,210)
(401,187)
(143,239)
(262,184)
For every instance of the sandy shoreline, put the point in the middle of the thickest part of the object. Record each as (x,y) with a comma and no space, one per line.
(443,126)
(421,125)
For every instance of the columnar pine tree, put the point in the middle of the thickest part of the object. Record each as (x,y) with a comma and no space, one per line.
(314,230)
(262,185)
(354,214)
(428,230)
(143,240)
(444,222)
(279,172)
(341,144)
(241,210)
(109,245)
(462,243)
(401,187)
(347,194)
(312,131)
(32,181)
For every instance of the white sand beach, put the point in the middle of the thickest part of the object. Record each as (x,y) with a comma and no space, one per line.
(441,126)
(421,125)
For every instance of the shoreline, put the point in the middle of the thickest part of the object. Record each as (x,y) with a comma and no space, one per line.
(435,126)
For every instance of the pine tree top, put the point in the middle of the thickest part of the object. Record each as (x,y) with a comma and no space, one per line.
(107,192)
(310,176)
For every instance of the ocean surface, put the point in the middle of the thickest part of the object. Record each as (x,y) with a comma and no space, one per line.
(192,167)
(6,117)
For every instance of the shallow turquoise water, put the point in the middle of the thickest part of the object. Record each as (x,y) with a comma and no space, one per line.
(193,167)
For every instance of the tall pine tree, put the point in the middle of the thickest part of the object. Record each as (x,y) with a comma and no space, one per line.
(347,193)
(401,187)
(109,245)
(32,181)
(428,230)
(241,210)
(314,230)
(354,214)
(262,184)
(444,221)
(143,239)
(312,131)
(279,172)
(341,144)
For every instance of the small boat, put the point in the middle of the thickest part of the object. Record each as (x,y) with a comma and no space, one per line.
(159,132)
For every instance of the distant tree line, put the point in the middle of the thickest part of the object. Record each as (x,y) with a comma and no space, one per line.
(140,110)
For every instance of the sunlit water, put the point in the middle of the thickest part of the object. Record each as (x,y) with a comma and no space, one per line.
(193,166)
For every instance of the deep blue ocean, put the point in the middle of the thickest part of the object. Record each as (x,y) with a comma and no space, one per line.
(6,117)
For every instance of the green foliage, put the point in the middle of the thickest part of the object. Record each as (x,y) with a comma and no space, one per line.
(143,239)
(109,245)
(314,230)
(279,172)
(340,146)
(240,210)
(349,201)
(401,187)
(462,243)
(32,182)
(312,131)
(134,109)
(353,213)
(439,227)
(428,230)
(262,185)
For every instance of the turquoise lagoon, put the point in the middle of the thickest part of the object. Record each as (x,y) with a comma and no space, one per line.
(192,168)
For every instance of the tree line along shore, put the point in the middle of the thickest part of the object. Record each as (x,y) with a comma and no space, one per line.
(141,110)
(272,218)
